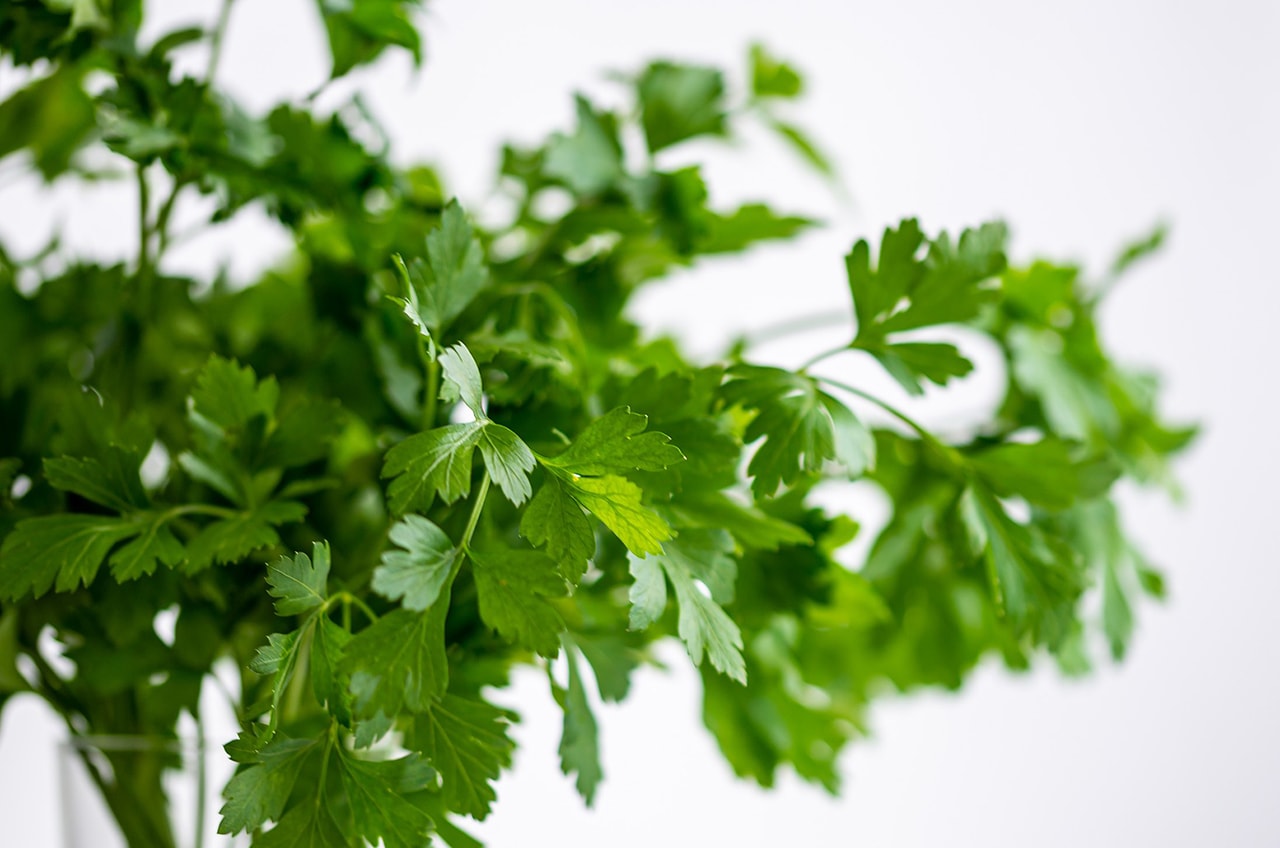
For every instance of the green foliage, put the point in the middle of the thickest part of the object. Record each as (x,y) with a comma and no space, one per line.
(173,443)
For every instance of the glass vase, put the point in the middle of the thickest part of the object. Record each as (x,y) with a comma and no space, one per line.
(141,792)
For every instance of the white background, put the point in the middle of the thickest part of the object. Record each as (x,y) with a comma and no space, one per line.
(1079,123)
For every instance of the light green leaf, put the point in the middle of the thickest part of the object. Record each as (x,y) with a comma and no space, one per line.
(616,501)
(415,575)
(274,655)
(590,160)
(648,593)
(580,741)
(462,379)
(771,77)
(699,571)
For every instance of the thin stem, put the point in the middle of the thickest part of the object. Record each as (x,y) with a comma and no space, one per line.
(826,354)
(791,326)
(476,509)
(199,509)
(215,46)
(433,386)
(202,780)
(947,452)
(348,600)
(144,227)
(161,229)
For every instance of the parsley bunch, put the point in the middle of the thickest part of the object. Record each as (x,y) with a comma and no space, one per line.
(420,451)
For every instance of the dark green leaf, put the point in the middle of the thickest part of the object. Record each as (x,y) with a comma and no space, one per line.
(377,792)
(453,272)
(467,741)
(513,586)
(398,663)
(616,443)
(232,539)
(435,462)
(111,480)
(580,741)
(58,551)
(259,793)
(678,102)
(554,519)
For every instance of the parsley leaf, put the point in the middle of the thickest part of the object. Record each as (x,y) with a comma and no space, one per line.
(702,573)
(678,102)
(298,583)
(554,518)
(414,576)
(437,462)
(915,286)
(466,740)
(379,791)
(802,427)
(589,161)
(399,661)
(258,794)
(513,586)
(616,444)
(58,551)
(509,461)
(580,740)
(452,274)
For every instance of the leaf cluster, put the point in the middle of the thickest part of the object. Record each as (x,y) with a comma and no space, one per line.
(420,451)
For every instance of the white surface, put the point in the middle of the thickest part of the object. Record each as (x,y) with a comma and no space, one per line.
(1081,124)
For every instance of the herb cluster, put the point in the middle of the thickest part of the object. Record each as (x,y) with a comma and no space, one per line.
(420,451)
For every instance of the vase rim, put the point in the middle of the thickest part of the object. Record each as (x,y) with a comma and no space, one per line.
(128,742)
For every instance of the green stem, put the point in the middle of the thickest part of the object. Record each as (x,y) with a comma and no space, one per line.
(476,509)
(199,509)
(202,780)
(215,45)
(947,452)
(433,386)
(144,226)
(826,354)
(348,600)
(792,326)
